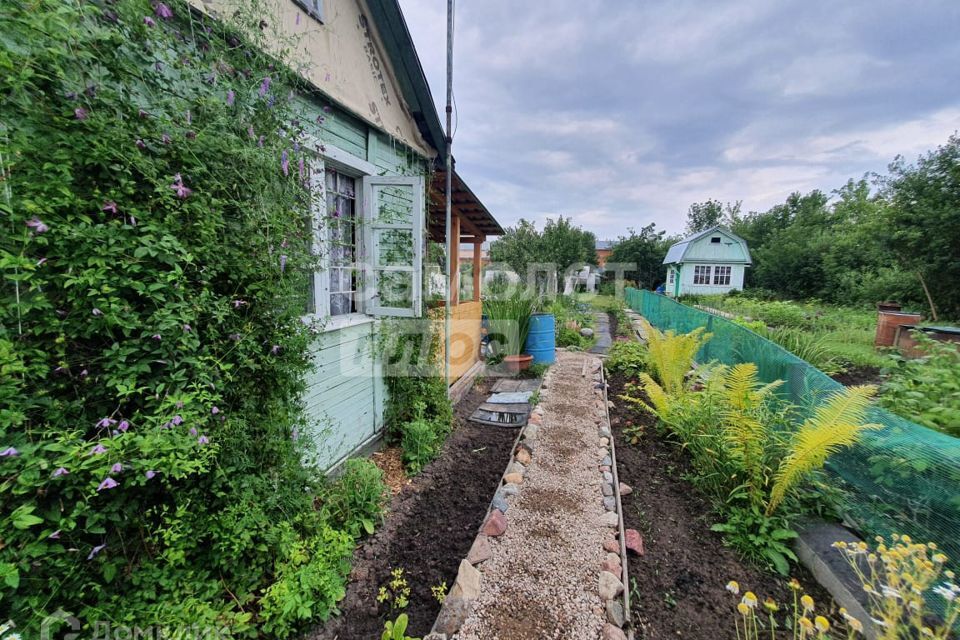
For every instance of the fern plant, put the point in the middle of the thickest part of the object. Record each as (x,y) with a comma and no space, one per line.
(837,423)
(745,425)
(671,355)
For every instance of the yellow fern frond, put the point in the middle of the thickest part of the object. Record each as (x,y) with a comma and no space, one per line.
(836,424)
(658,397)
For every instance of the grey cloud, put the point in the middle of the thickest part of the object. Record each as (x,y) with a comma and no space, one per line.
(620,114)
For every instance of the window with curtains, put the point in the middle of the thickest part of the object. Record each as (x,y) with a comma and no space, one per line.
(701,274)
(367,232)
(342,235)
(721,275)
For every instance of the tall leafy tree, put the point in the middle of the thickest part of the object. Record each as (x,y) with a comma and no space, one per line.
(705,215)
(646,249)
(560,244)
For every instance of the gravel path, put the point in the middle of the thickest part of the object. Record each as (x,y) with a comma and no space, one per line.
(541,580)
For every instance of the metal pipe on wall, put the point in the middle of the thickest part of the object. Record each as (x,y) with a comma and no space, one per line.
(448,223)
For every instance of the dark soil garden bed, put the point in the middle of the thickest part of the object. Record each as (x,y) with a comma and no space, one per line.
(679,584)
(859,375)
(429,528)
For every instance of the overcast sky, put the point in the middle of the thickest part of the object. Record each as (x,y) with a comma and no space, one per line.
(623,113)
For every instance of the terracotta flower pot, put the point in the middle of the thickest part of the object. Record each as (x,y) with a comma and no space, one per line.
(516,364)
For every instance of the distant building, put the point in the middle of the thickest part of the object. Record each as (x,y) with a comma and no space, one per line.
(710,262)
(604,249)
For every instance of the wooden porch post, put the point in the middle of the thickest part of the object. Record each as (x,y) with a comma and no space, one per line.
(455,261)
(477,267)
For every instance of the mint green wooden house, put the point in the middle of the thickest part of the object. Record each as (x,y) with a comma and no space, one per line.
(707,263)
(379,149)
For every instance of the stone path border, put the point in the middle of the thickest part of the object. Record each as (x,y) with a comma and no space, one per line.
(610,613)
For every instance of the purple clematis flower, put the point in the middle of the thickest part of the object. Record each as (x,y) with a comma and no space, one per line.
(143,114)
(84,373)
(285,163)
(264,86)
(203,440)
(183,192)
(187,328)
(166,139)
(239,303)
(123,426)
(60,471)
(294,434)
(116,468)
(41,261)
(149,475)
(251,132)
(193,431)
(140,144)
(320,120)
(97,549)
(106,422)
(235,337)
(157,337)
(177,420)
(98,450)
(260,141)
(298,18)
(328,109)
(231,96)
(191,135)
(9,452)
(80,113)
(275,349)
(163,11)
(215,410)
(96,312)
(108,483)
(271,100)
(147,20)
(55,535)
(110,207)
(37,225)
(327,77)
(283,262)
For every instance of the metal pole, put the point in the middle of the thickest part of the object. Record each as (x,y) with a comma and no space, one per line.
(449,199)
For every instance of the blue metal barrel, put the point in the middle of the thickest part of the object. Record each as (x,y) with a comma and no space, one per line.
(541,340)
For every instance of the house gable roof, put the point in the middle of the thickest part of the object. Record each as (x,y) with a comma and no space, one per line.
(678,251)
(398,43)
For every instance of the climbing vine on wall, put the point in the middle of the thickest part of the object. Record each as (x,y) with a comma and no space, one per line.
(151,350)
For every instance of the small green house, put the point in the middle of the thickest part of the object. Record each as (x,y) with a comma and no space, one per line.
(710,262)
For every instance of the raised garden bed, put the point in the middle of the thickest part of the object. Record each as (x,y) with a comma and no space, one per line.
(430,526)
(679,584)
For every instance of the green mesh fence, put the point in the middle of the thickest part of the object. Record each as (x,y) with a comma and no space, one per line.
(902,478)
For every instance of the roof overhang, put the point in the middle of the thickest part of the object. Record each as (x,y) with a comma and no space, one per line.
(396,39)
(475,219)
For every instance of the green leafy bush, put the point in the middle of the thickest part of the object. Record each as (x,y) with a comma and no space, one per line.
(356,500)
(926,390)
(811,347)
(420,441)
(628,358)
(152,351)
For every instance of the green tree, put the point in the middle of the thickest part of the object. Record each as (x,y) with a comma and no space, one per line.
(560,244)
(705,215)
(646,250)
(923,222)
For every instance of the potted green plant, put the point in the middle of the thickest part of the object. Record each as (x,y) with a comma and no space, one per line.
(508,321)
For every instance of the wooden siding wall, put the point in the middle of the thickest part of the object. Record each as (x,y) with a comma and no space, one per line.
(464,336)
(345,394)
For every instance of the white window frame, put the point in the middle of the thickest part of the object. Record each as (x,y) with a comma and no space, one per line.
(415,226)
(670,275)
(314,8)
(721,273)
(365,173)
(701,274)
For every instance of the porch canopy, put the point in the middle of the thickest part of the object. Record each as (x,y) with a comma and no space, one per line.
(470,223)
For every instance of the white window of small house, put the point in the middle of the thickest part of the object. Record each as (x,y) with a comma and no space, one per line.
(721,275)
(342,235)
(670,276)
(701,274)
(715,240)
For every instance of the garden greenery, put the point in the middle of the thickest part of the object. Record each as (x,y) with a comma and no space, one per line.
(745,454)
(927,389)
(151,349)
